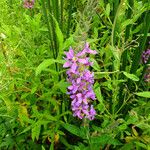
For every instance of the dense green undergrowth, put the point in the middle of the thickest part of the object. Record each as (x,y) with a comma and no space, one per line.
(35,111)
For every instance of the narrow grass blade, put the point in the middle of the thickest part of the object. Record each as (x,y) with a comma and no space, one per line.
(127,33)
(48,26)
(69,17)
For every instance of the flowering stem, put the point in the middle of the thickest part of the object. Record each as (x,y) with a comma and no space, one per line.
(81,79)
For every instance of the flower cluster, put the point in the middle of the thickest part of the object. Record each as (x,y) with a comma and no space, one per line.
(147,75)
(28,4)
(81,80)
(145,57)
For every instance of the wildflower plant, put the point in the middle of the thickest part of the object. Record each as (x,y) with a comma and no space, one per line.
(81,80)
(29,4)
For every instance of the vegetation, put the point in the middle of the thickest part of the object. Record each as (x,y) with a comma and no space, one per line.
(35,109)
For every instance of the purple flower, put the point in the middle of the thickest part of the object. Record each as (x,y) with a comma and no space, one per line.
(92,113)
(28,4)
(147,75)
(86,50)
(71,61)
(81,80)
(145,56)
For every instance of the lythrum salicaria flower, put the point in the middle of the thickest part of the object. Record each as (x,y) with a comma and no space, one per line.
(145,57)
(81,79)
(28,4)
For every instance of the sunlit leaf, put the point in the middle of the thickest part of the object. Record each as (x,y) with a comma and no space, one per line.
(73,129)
(131,76)
(145,94)
(46,63)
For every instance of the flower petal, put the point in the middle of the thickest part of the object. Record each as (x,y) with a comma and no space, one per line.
(83,60)
(73,67)
(70,54)
(66,64)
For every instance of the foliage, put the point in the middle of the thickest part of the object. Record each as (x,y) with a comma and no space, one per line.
(35,111)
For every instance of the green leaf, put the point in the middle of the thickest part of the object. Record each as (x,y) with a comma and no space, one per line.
(43,147)
(127,146)
(68,42)
(130,21)
(74,130)
(131,76)
(140,144)
(26,129)
(36,131)
(62,85)
(65,142)
(98,92)
(46,63)
(95,64)
(105,139)
(59,34)
(107,10)
(116,53)
(145,94)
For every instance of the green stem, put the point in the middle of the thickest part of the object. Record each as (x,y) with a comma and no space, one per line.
(69,17)
(86,126)
(48,26)
(57,12)
(116,4)
(61,23)
(55,9)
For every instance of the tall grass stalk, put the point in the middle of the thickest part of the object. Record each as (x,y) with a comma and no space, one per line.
(48,26)
(69,17)
(52,11)
(115,6)
(51,28)
(55,6)
(113,34)
(61,22)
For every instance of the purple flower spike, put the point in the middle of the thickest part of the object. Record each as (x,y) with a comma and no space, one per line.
(28,4)
(81,80)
